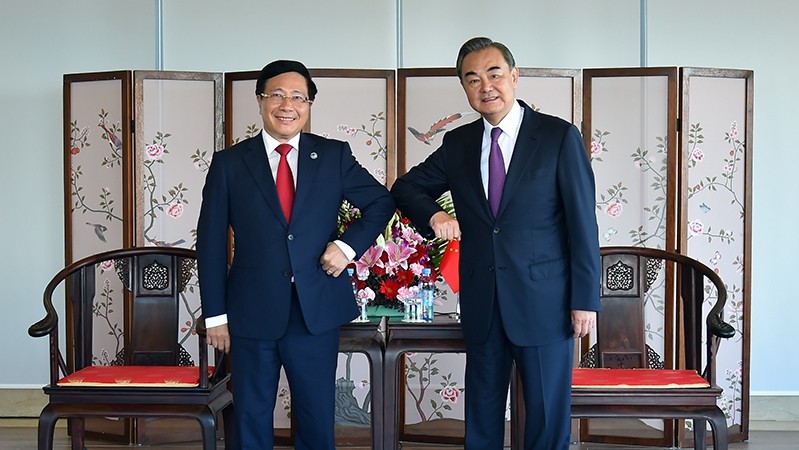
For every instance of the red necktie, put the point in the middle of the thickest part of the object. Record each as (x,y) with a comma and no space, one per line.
(285,181)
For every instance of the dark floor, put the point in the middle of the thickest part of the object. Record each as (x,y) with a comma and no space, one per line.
(20,434)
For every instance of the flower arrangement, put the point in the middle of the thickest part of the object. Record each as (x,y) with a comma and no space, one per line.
(388,272)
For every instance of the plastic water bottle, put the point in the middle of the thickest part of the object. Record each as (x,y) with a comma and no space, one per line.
(427,293)
(353,284)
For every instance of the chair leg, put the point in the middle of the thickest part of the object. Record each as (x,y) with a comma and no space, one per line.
(77,428)
(229,423)
(208,429)
(46,428)
(718,423)
(700,433)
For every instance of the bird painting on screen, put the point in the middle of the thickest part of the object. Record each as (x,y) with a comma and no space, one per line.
(159,243)
(435,128)
(99,230)
(113,139)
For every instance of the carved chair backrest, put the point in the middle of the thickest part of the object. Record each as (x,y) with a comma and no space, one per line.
(621,342)
(151,284)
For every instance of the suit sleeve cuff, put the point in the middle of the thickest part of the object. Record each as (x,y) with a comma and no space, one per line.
(348,251)
(215,321)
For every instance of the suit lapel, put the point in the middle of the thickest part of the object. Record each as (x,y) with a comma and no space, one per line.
(257,163)
(472,143)
(308,164)
(523,154)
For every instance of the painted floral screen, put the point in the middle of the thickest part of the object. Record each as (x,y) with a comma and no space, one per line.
(678,186)
(670,174)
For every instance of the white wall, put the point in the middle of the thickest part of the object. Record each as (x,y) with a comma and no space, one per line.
(37,48)
(246,34)
(761,36)
(557,34)
(40,41)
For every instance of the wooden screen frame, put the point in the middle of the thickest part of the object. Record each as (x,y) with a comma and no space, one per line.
(737,432)
(124,76)
(672,167)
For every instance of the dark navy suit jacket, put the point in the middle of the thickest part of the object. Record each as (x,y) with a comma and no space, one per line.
(541,253)
(255,292)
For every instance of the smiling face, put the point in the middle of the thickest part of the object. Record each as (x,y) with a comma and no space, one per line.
(283,119)
(490,83)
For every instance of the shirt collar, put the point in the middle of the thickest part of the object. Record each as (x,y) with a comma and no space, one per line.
(271,143)
(510,123)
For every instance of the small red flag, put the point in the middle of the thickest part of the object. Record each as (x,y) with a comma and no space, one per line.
(449,265)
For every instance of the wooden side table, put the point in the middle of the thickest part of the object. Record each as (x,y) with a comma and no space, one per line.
(443,335)
(369,338)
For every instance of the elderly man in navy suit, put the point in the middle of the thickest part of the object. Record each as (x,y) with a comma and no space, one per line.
(523,191)
(282,300)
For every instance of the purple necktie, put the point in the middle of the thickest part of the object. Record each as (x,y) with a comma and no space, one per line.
(496,172)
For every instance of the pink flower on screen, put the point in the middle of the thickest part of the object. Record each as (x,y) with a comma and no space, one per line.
(175,210)
(696,227)
(613,209)
(596,148)
(155,151)
(450,394)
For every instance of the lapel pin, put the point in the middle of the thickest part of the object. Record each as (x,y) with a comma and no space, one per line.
(314,155)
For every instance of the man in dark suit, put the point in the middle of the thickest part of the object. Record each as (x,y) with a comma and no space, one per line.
(281,301)
(523,192)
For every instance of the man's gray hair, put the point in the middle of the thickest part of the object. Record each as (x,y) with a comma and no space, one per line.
(480,43)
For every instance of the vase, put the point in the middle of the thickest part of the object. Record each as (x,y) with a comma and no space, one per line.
(383,311)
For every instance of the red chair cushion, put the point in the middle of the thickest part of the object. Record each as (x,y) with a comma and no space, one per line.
(637,378)
(138,376)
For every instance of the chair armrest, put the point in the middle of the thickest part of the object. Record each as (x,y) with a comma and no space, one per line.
(43,327)
(200,327)
(220,368)
(718,327)
(49,324)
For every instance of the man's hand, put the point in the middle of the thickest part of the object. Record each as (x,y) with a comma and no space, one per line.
(445,226)
(219,337)
(333,260)
(583,322)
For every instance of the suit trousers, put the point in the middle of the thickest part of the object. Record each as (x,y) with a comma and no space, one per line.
(310,365)
(546,372)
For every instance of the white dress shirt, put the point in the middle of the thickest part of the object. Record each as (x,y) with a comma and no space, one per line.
(510,125)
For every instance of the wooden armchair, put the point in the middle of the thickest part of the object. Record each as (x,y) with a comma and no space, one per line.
(148,373)
(620,376)
(686,388)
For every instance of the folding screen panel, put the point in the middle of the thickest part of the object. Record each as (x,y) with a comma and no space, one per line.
(715,211)
(431,102)
(630,129)
(121,191)
(353,105)
(97,179)
(677,179)
(97,168)
(178,117)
